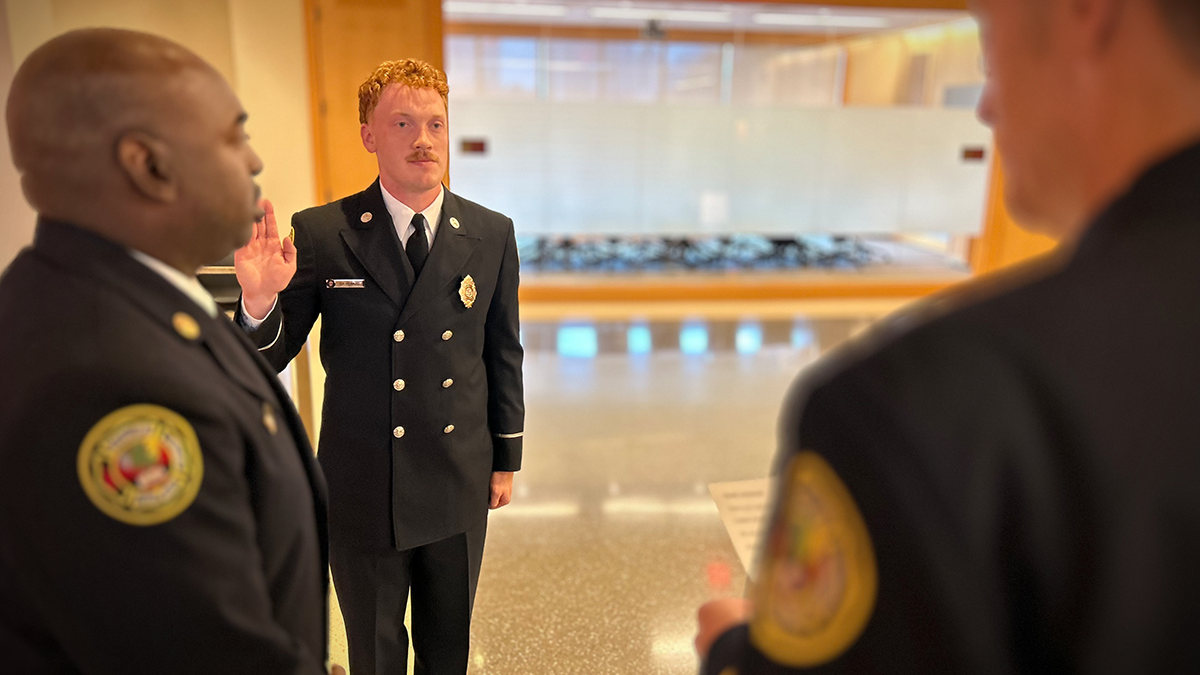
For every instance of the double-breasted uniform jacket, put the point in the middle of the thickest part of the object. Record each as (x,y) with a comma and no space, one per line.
(423,393)
(1026,463)
(118,395)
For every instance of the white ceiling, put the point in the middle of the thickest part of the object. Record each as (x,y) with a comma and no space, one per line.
(747,17)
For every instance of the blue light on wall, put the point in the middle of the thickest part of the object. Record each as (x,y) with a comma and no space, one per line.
(802,335)
(749,338)
(693,339)
(638,339)
(578,341)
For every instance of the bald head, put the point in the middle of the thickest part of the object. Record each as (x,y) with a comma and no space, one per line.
(135,137)
(76,95)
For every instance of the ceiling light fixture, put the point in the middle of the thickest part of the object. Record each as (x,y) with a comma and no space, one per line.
(504,9)
(651,14)
(820,20)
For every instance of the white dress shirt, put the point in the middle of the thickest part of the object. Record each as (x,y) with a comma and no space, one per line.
(402,216)
(188,285)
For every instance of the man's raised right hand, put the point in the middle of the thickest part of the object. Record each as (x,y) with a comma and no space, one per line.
(264,265)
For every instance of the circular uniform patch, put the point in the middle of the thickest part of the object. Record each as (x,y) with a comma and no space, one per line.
(816,589)
(141,464)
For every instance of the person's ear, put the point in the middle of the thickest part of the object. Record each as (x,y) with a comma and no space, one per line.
(368,138)
(146,161)
(1098,22)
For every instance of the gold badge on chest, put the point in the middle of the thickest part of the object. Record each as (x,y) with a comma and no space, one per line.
(467,291)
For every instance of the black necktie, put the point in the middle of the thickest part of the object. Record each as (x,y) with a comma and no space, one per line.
(418,246)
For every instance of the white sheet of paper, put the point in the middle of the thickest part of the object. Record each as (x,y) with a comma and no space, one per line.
(743,508)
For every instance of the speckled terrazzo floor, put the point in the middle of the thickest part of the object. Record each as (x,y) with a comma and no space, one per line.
(612,542)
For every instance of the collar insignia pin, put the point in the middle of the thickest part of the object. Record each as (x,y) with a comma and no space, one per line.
(269,419)
(185,325)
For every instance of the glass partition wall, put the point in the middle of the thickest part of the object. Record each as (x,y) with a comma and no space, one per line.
(639,135)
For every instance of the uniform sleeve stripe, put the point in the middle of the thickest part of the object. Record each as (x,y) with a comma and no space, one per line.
(516,435)
(277,334)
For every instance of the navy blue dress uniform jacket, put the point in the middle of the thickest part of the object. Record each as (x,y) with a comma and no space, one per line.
(1026,462)
(423,395)
(237,581)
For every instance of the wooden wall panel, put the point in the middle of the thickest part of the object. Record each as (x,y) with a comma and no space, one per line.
(347,39)
(1003,242)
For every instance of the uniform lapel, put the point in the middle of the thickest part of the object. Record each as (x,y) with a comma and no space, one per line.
(452,247)
(376,244)
(289,410)
(233,359)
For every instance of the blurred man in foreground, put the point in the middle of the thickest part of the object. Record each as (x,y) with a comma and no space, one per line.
(1008,483)
(162,510)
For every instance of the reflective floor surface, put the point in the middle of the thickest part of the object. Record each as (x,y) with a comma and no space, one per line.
(612,540)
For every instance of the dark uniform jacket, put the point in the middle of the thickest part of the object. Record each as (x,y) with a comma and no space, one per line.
(423,395)
(1027,464)
(234,583)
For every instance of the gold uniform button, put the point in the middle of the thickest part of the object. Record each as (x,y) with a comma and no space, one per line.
(447,335)
(398,385)
(185,325)
(398,336)
(398,432)
(366,217)
(446,384)
(448,429)
(269,419)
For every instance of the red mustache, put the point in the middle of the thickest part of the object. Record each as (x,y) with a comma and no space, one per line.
(422,157)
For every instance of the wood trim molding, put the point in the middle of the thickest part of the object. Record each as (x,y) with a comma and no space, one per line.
(638,290)
(316,91)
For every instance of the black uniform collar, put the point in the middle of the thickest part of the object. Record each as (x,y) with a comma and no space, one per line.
(373,240)
(1164,196)
(90,255)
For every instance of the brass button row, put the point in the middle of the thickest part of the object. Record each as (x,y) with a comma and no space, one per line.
(398,336)
(398,385)
(398,432)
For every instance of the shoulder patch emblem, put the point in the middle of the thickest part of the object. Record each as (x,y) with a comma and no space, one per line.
(141,465)
(817,584)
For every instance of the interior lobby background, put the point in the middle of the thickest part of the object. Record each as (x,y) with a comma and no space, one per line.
(262,48)
(258,45)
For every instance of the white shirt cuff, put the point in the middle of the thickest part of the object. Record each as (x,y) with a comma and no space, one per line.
(251,323)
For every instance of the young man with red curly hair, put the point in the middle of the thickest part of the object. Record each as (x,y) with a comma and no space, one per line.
(422,424)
